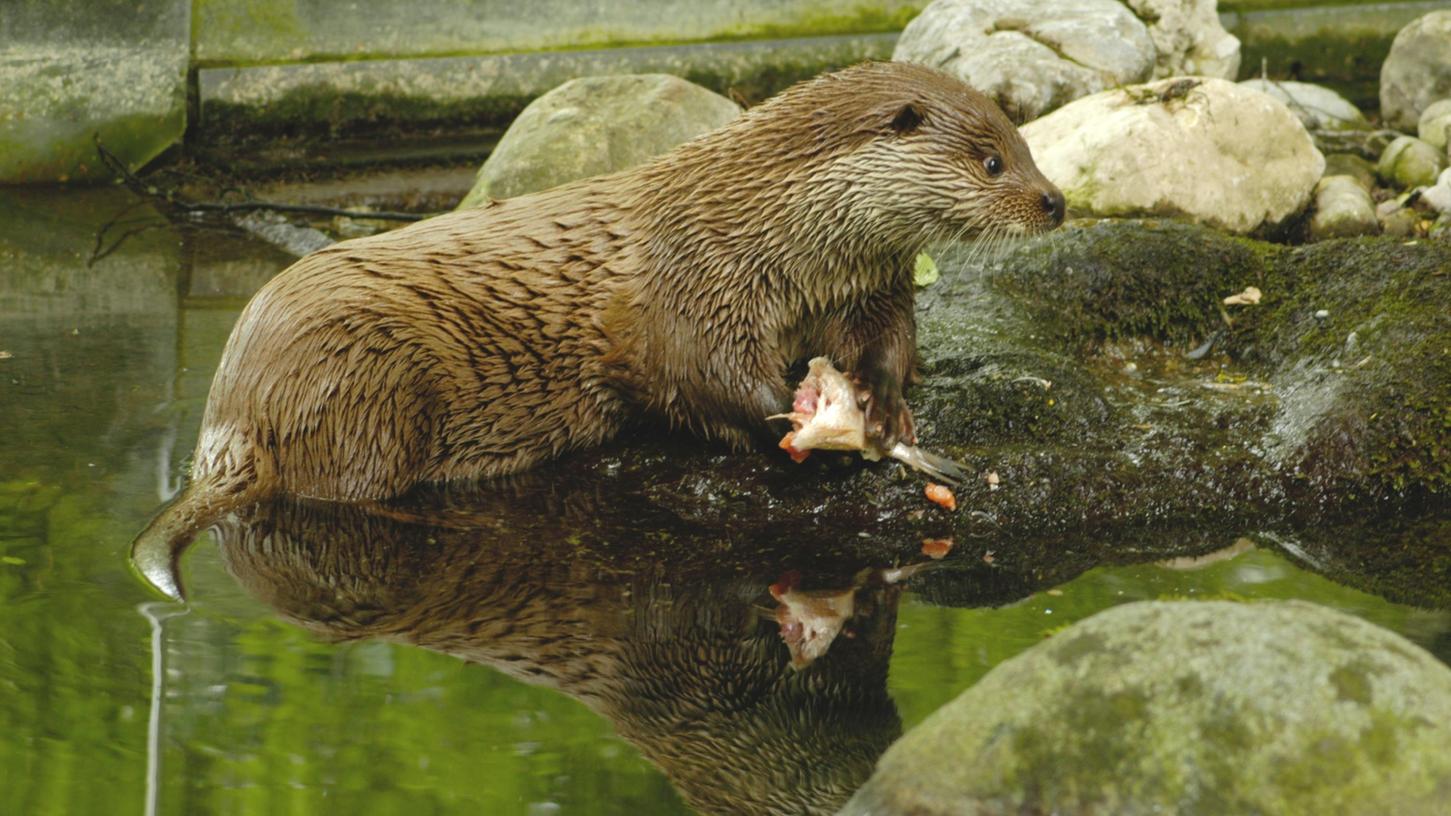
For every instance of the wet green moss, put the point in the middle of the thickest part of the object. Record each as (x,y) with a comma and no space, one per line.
(864,19)
(325,112)
(1352,335)
(1371,316)
(1161,280)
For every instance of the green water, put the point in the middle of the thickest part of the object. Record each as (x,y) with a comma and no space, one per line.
(267,695)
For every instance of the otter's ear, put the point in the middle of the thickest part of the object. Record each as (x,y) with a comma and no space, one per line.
(908,119)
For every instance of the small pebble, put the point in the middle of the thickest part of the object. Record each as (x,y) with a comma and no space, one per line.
(1321,314)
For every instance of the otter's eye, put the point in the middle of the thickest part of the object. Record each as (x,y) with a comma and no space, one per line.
(993,165)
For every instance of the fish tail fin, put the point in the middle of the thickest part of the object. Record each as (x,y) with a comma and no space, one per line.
(938,467)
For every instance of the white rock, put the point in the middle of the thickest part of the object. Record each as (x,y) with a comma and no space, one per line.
(1434,127)
(1207,149)
(1031,55)
(1318,107)
(1438,195)
(1342,208)
(1417,71)
(1189,38)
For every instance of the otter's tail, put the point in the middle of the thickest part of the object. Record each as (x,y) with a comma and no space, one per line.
(156,553)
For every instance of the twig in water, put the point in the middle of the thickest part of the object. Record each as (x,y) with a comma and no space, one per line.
(139,187)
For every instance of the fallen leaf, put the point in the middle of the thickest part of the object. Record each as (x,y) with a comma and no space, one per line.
(1249,297)
(924,271)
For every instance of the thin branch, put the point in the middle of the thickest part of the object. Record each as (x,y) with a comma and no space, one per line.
(136,185)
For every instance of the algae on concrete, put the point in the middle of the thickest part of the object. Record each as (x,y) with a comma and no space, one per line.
(463,94)
(74,72)
(248,32)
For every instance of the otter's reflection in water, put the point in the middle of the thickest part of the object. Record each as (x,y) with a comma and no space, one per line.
(675,642)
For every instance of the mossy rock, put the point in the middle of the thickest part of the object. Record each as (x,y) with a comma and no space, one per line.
(1351,339)
(596,125)
(1409,162)
(1187,707)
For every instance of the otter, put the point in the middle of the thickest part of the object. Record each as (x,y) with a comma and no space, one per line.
(487,340)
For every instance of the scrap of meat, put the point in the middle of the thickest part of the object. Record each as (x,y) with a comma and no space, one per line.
(936,548)
(940,495)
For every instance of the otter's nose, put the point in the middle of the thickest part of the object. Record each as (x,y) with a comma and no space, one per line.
(1053,205)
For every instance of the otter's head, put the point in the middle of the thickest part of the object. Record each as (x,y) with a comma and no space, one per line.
(913,155)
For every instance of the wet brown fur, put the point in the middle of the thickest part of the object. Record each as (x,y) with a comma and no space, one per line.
(481,342)
(672,650)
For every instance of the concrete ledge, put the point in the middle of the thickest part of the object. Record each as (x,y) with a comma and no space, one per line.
(1342,46)
(70,72)
(240,105)
(252,32)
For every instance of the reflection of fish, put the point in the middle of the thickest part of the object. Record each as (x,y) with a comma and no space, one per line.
(811,619)
(827,415)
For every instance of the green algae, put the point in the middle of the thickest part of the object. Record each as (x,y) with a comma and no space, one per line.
(67,96)
(456,97)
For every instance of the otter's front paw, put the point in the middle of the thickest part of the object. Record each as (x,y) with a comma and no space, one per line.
(889,421)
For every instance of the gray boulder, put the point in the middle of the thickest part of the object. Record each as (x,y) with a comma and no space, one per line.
(1208,149)
(1318,107)
(1187,707)
(1343,208)
(1031,56)
(1417,71)
(1189,38)
(595,125)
